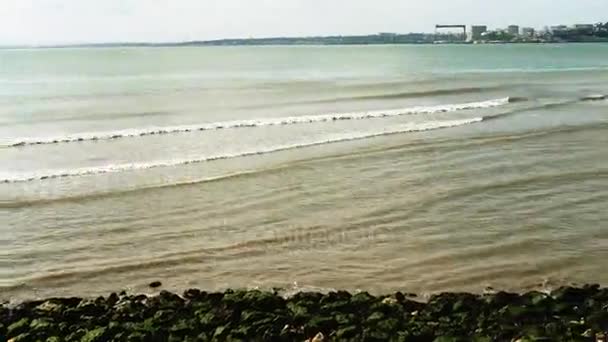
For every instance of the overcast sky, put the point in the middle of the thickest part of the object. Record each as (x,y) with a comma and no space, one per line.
(79,21)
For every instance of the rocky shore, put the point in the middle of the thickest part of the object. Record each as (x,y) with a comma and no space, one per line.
(566,314)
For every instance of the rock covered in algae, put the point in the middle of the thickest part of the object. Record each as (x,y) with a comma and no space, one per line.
(566,314)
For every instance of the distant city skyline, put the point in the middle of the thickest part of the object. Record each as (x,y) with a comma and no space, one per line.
(40,22)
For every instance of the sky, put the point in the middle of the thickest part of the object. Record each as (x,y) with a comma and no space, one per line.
(35,22)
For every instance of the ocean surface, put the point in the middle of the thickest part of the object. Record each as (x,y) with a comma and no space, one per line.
(376,168)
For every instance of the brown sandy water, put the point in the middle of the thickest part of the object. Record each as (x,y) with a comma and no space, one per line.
(404,168)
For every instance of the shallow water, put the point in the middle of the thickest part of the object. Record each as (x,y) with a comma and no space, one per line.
(381,168)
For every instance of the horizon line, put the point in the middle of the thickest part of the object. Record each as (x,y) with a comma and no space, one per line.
(203,41)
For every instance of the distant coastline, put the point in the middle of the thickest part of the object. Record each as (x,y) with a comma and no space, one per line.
(372,39)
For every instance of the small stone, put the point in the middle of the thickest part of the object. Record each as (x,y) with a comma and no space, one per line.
(164,315)
(49,307)
(220,332)
(155,284)
(180,327)
(345,319)
(319,323)
(39,325)
(318,338)
(25,337)
(139,298)
(482,339)
(362,298)
(192,293)
(348,332)
(489,290)
(375,317)
(576,323)
(569,295)
(206,319)
(388,325)
(18,327)
(400,297)
(113,299)
(390,301)
(588,333)
(94,335)
(552,328)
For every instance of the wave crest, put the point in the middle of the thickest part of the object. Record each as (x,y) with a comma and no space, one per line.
(418,127)
(293,120)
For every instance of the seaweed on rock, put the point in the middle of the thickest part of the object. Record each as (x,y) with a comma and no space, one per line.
(567,314)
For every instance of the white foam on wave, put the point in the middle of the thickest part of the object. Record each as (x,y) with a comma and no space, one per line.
(292,120)
(530,70)
(595,97)
(411,127)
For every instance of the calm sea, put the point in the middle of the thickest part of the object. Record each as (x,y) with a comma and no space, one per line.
(378,168)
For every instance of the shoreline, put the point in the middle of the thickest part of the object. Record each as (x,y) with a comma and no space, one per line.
(565,314)
(220,44)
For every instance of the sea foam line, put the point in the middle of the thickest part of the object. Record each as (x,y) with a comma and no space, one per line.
(292,120)
(412,127)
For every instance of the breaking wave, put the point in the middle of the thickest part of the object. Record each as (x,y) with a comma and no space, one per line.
(417,127)
(595,97)
(394,96)
(293,120)
(531,70)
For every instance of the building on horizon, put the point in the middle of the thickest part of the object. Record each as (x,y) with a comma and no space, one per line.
(528,32)
(585,29)
(513,30)
(477,32)
(559,28)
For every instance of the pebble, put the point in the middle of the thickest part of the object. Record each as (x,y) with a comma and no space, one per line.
(319,338)
(155,284)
